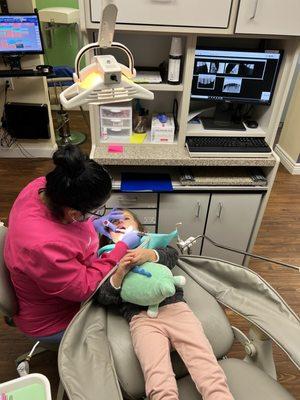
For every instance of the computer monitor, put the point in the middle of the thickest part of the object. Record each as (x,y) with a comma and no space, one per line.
(235,76)
(20,34)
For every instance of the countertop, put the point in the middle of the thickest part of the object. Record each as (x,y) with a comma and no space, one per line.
(169,155)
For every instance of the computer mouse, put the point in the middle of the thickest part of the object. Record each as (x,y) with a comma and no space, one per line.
(251,124)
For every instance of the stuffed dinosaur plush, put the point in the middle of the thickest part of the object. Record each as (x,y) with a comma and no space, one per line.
(150,283)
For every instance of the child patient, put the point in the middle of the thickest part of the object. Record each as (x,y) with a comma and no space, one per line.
(175,327)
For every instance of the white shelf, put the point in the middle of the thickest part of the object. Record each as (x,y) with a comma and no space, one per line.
(198,129)
(162,87)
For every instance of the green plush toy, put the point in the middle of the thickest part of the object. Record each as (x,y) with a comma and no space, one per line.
(149,285)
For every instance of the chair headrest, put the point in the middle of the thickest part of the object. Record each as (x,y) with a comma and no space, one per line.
(8,300)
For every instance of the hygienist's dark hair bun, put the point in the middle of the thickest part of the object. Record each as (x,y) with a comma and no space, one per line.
(70,159)
(76,182)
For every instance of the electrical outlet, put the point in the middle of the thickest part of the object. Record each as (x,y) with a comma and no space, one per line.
(10,83)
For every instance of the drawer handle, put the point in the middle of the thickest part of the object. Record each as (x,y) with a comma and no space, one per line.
(198,209)
(254,10)
(220,209)
(162,1)
(127,201)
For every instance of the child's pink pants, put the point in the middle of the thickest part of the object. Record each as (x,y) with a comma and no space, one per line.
(176,326)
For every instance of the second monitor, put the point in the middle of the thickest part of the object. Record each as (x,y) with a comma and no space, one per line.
(234,76)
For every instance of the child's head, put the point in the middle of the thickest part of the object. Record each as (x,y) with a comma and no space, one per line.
(130,220)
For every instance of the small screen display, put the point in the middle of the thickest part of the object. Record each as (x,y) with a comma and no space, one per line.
(235,75)
(20,34)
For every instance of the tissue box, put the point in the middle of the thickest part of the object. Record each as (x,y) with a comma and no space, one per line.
(162,132)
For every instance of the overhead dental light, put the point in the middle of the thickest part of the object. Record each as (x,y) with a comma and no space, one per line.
(104,80)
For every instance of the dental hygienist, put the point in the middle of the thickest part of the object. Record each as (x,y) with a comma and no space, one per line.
(51,245)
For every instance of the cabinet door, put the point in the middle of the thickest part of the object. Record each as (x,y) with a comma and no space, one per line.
(190,209)
(273,17)
(196,13)
(230,222)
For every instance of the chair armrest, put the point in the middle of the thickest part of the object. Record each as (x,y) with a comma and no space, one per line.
(85,364)
(249,295)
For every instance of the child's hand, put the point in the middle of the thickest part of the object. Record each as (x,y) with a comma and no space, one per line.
(126,263)
(140,255)
(124,267)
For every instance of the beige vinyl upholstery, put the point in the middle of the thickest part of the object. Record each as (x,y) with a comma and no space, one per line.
(246,382)
(248,294)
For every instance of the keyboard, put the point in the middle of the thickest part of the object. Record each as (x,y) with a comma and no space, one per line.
(18,73)
(220,146)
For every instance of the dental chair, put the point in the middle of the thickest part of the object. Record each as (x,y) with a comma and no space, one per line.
(96,358)
(9,307)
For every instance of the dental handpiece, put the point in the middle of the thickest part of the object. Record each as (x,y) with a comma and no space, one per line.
(111,226)
(138,232)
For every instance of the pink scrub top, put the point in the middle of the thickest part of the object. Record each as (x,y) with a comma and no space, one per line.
(53,266)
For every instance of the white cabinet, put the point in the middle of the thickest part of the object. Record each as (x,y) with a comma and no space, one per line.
(230,222)
(190,13)
(227,218)
(188,208)
(270,17)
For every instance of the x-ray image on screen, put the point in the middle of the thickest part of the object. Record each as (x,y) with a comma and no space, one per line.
(206,82)
(237,76)
(217,67)
(232,68)
(232,85)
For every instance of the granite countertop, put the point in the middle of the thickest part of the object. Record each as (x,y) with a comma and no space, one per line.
(169,155)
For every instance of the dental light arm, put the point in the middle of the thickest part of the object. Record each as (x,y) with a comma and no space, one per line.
(107,24)
(105,80)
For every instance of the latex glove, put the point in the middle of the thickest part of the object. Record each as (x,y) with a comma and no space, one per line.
(101,225)
(132,239)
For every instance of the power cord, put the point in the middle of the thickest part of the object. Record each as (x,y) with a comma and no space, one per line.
(5,139)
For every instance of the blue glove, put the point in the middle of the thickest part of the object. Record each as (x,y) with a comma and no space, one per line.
(132,239)
(101,225)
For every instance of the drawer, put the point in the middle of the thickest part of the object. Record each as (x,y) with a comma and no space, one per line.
(150,228)
(115,112)
(194,13)
(116,123)
(112,132)
(146,216)
(132,200)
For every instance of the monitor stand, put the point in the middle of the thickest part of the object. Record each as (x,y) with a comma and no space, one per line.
(224,119)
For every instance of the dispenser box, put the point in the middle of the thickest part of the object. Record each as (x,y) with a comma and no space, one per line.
(162,131)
